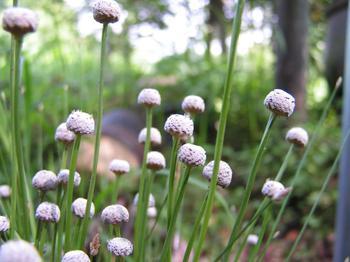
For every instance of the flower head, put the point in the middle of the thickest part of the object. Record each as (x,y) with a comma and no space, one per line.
(155,160)
(120,247)
(297,136)
(252,239)
(75,256)
(64,135)
(48,212)
(19,251)
(152,212)
(149,97)
(119,167)
(79,207)
(81,123)
(19,21)
(106,11)
(63,177)
(115,214)
(224,175)
(45,180)
(179,126)
(155,136)
(280,102)
(4,224)
(275,190)
(193,104)
(5,191)
(192,155)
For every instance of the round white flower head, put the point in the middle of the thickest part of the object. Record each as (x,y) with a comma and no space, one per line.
(5,191)
(120,247)
(224,175)
(19,251)
(192,155)
(275,190)
(151,200)
(106,11)
(64,135)
(63,177)
(280,102)
(115,214)
(48,212)
(152,212)
(79,207)
(4,224)
(119,167)
(75,256)
(297,136)
(19,21)
(252,239)
(155,136)
(149,97)
(45,180)
(155,160)
(179,126)
(81,123)
(193,104)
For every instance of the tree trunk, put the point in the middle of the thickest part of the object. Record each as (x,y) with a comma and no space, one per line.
(292,50)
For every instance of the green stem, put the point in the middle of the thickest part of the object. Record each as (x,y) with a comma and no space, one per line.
(98,137)
(70,188)
(243,244)
(324,186)
(38,234)
(58,250)
(171,230)
(142,204)
(298,171)
(284,164)
(158,216)
(115,189)
(54,241)
(222,124)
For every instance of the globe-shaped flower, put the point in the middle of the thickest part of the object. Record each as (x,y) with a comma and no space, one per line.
(19,21)
(106,11)
(192,155)
(155,160)
(149,97)
(297,136)
(179,126)
(193,104)
(280,103)
(19,251)
(45,180)
(224,175)
(81,123)
(115,214)
(120,247)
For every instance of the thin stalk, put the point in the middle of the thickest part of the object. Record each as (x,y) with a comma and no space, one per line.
(54,241)
(98,137)
(171,230)
(158,216)
(222,124)
(142,204)
(195,229)
(314,206)
(39,230)
(70,188)
(43,238)
(284,164)
(243,244)
(115,189)
(300,167)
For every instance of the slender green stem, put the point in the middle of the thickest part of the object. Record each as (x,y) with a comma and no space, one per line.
(195,229)
(115,189)
(43,238)
(98,136)
(158,216)
(142,204)
(58,250)
(243,244)
(284,164)
(298,171)
(54,241)
(70,188)
(171,230)
(222,125)
(39,230)
(314,206)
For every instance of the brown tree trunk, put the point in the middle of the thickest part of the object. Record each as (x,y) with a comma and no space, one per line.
(292,50)
(216,22)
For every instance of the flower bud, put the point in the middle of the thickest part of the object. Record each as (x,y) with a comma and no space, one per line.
(106,11)
(179,126)
(4,224)
(80,123)
(152,212)
(48,212)
(192,155)
(79,207)
(193,104)
(5,191)
(75,256)
(64,135)
(45,180)
(155,136)
(119,167)
(151,200)
(275,190)
(149,97)
(63,177)
(120,247)
(224,175)
(19,251)
(280,102)
(155,160)
(115,214)
(252,239)
(19,21)
(297,136)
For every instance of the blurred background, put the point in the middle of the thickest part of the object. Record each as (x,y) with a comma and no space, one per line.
(180,48)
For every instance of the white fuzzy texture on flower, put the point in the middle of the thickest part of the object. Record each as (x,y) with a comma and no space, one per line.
(149,97)
(63,177)
(192,155)
(193,104)
(79,207)
(64,135)
(19,21)
(179,126)
(224,175)
(275,190)
(106,11)
(80,123)
(48,212)
(155,160)
(155,136)
(280,102)
(19,251)
(4,224)
(297,136)
(75,256)
(152,212)
(45,180)
(252,239)
(115,214)
(5,191)
(151,200)
(120,247)
(119,167)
